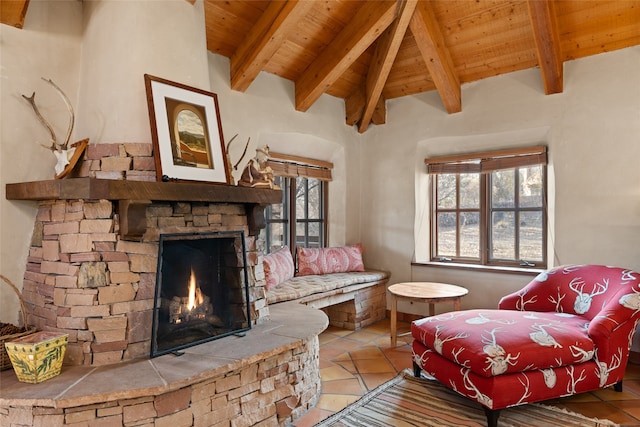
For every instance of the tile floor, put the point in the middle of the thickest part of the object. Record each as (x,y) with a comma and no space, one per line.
(353,363)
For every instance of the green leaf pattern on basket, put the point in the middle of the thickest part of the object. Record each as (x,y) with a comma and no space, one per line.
(22,365)
(52,355)
(28,369)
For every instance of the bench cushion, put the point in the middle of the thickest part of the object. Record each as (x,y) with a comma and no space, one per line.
(302,286)
(495,342)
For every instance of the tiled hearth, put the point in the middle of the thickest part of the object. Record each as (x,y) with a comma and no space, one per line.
(268,377)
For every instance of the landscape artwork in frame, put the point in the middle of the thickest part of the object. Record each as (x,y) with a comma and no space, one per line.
(187,134)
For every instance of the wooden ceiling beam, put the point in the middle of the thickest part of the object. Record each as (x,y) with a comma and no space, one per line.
(385,55)
(430,41)
(362,30)
(13,12)
(545,34)
(264,39)
(354,107)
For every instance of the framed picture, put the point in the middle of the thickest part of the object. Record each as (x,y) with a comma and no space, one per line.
(187,134)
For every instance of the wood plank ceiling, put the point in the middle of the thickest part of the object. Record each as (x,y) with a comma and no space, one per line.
(369,51)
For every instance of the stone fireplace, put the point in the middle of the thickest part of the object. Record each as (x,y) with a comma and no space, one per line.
(87,278)
(91,272)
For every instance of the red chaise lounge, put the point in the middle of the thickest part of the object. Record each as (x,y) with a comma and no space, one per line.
(568,331)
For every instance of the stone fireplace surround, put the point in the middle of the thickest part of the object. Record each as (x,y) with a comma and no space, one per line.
(88,277)
(91,274)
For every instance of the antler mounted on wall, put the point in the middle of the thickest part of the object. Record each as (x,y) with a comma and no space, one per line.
(64,154)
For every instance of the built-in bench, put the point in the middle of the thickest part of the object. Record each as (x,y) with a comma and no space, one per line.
(351,300)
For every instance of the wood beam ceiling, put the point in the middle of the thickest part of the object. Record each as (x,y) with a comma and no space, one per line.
(434,51)
(362,52)
(360,33)
(13,12)
(264,39)
(354,107)
(387,48)
(545,31)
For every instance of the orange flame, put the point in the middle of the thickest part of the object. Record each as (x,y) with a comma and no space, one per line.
(195,295)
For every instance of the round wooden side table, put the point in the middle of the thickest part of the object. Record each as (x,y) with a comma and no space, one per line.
(429,292)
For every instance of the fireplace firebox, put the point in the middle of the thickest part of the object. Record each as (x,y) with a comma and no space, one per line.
(201,290)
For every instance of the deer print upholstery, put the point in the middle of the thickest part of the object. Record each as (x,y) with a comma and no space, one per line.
(568,331)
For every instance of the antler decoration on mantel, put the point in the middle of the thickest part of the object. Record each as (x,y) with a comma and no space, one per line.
(229,164)
(62,151)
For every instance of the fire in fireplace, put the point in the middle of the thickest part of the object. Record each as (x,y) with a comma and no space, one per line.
(201,290)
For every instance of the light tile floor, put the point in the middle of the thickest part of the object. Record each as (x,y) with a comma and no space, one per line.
(354,363)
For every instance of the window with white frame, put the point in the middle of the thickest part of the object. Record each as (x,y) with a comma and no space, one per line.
(490,208)
(301,218)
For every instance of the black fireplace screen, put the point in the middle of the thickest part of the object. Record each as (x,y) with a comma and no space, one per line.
(201,290)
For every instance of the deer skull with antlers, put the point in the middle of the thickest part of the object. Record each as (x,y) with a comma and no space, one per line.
(61,150)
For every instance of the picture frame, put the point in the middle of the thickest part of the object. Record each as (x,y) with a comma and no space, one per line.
(188,144)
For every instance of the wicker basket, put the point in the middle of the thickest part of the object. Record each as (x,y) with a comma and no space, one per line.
(5,361)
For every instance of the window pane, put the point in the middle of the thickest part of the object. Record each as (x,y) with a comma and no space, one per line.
(470,234)
(314,235)
(308,206)
(275,212)
(301,198)
(469,191)
(531,236)
(284,185)
(502,188)
(278,211)
(503,235)
(446,234)
(280,182)
(315,198)
(447,191)
(531,187)
(276,236)
(495,217)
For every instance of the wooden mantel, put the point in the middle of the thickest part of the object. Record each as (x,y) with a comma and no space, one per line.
(134,196)
(91,188)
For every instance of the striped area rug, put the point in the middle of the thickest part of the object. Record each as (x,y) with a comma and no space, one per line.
(409,402)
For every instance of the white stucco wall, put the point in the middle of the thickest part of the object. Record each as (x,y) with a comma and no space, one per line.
(122,41)
(266,114)
(592,131)
(98,52)
(49,47)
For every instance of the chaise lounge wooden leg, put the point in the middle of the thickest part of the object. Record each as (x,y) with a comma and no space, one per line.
(492,416)
(416,370)
(618,386)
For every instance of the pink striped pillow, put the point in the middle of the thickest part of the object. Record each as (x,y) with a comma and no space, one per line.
(330,260)
(278,267)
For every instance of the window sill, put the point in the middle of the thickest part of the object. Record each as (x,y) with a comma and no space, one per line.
(484,268)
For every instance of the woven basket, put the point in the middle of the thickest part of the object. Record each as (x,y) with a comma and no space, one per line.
(5,362)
